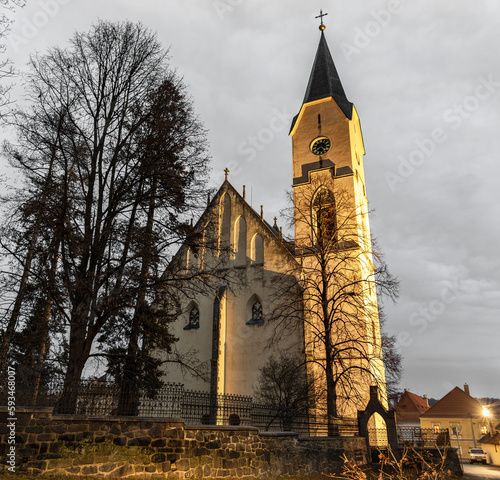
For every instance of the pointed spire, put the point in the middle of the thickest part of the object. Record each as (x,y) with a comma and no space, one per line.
(324,80)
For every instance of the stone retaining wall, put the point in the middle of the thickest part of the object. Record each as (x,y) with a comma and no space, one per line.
(152,447)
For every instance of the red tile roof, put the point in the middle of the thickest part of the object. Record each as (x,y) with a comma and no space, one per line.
(410,407)
(456,404)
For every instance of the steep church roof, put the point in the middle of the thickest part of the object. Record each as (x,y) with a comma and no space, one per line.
(324,81)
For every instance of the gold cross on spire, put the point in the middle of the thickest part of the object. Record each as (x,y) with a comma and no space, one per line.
(321,15)
(226,171)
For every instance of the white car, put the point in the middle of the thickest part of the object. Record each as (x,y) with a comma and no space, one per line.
(477,455)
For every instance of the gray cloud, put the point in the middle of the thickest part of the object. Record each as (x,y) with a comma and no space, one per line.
(417,72)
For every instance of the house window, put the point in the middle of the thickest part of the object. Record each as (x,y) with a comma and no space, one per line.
(484,429)
(436,427)
(257,317)
(194,319)
(456,429)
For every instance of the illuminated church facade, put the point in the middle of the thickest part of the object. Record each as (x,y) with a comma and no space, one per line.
(233,328)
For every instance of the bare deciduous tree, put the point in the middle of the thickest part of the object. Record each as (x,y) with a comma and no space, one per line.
(7,70)
(285,389)
(339,273)
(112,151)
(393,362)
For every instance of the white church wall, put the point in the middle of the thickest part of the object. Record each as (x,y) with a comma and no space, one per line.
(244,346)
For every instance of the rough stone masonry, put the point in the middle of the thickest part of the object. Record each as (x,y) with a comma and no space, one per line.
(129,447)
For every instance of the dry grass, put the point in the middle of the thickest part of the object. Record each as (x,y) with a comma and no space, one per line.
(413,465)
(25,476)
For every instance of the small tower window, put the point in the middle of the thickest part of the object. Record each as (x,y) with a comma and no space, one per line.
(194,319)
(257,317)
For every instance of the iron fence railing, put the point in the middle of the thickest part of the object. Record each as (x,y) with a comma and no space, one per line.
(410,437)
(46,396)
(100,398)
(422,437)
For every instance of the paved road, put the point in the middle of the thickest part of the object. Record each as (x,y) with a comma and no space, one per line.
(481,472)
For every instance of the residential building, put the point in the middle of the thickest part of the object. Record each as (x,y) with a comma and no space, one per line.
(409,409)
(462,415)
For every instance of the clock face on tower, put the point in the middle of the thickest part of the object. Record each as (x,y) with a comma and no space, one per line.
(320,145)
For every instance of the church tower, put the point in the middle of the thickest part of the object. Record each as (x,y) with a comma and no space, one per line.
(326,133)
(333,244)
(248,296)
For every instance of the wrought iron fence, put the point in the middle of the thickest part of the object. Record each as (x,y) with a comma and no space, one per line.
(46,396)
(100,398)
(410,437)
(422,437)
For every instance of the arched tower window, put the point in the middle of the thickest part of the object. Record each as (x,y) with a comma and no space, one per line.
(324,218)
(193,318)
(225,221)
(255,315)
(240,241)
(257,250)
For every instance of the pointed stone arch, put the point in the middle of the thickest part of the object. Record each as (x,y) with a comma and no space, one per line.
(257,250)
(210,244)
(225,220)
(323,215)
(375,407)
(254,311)
(193,316)
(192,261)
(240,241)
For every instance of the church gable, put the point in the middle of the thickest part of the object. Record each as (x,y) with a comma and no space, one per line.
(240,236)
(252,258)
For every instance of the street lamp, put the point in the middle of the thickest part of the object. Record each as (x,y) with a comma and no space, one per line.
(456,431)
(472,428)
(487,415)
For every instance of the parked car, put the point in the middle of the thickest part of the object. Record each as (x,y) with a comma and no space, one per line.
(477,455)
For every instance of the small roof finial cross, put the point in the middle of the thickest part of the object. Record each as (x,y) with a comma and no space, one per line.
(321,15)
(226,171)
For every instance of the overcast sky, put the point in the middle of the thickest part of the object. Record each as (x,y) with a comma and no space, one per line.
(425,79)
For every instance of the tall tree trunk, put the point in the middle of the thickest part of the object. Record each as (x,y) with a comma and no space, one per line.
(132,369)
(42,352)
(331,395)
(21,292)
(331,390)
(78,354)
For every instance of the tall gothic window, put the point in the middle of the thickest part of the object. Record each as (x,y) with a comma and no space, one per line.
(324,219)
(240,241)
(257,250)
(194,319)
(225,221)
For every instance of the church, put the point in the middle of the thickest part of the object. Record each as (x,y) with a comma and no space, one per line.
(313,297)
